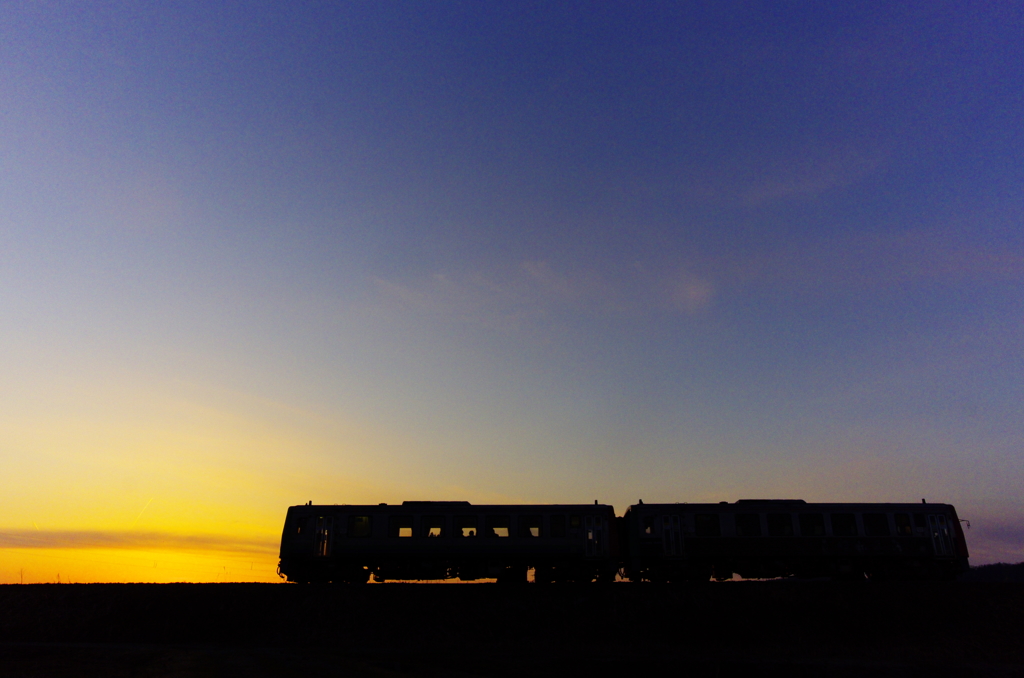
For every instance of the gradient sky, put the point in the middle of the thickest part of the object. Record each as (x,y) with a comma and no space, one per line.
(254,254)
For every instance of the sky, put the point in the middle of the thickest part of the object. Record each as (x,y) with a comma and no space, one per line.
(258,254)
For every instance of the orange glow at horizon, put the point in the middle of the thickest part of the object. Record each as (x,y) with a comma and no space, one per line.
(158,566)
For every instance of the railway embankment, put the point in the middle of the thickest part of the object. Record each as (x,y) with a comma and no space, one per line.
(713,629)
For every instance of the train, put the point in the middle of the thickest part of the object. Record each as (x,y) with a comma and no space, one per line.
(661,543)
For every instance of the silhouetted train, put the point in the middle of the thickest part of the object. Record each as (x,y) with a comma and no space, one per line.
(758,538)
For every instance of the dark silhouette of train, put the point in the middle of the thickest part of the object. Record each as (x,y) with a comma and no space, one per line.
(754,538)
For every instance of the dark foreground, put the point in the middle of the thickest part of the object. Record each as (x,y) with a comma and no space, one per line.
(727,629)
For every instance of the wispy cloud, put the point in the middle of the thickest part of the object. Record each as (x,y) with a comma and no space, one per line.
(539,290)
(542,292)
(876,261)
(138,517)
(690,292)
(813,174)
(1006,533)
(547,283)
(108,539)
(528,289)
(147,202)
(996,541)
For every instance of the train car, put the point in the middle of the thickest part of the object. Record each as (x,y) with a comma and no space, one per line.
(423,540)
(780,538)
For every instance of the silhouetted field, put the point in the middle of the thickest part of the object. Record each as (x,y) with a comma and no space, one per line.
(997,572)
(725,629)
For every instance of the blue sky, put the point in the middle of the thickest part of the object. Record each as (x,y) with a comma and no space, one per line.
(255,254)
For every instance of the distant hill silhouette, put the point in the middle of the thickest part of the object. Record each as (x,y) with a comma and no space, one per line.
(997,572)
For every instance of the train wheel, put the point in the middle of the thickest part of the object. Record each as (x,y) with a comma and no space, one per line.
(355,577)
(512,575)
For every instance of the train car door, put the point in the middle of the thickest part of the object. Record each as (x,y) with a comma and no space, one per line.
(593,526)
(941,542)
(671,536)
(322,537)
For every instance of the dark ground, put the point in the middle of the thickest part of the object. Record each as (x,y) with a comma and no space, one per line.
(997,572)
(726,629)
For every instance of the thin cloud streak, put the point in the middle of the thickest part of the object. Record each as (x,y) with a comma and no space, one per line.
(996,541)
(138,517)
(538,291)
(534,291)
(876,261)
(128,540)
(814,175)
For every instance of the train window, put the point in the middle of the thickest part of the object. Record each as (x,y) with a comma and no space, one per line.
(648,526)
(400,526)
(780,525)
(557,526)
(574,522)
(876,524)
(465,526)
(497,526)
(844,525)
(529,526)
(299,524)
(748,525)
(359,526)
(903,524)
(707,525)
(432,526)
(812,525)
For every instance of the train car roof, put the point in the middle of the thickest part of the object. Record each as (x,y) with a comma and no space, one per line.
(453,505)
(786,503)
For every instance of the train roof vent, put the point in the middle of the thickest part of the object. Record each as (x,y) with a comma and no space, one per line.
(430,503)
(770,501)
